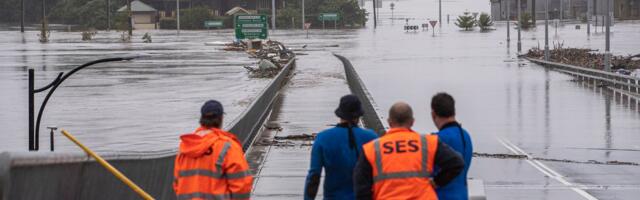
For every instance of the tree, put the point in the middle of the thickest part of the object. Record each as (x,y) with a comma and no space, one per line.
(466,21)
(485,22)
(525,21)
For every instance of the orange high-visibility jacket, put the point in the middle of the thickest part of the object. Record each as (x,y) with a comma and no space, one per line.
(402,163)
(211,166)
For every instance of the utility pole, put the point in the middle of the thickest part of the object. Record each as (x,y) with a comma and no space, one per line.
(607,52)
(130,18)
(440,12)
(508,21)
(519,27)
(303,21)
(533,12)
(375,16)
(108,15)
(546,30)
(178,16)
(561,10)
(22,16)
(588,15)
(273,14)
(44,17)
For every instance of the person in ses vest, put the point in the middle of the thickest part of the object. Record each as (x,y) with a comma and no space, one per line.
(399,165)
(336,150)
(443,113)
(210,163)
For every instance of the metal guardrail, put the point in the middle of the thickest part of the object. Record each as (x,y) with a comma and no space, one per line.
(618,81)
(52,175)
(371,117)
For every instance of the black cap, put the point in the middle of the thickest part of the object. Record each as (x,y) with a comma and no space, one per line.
(212,107)
(349,108)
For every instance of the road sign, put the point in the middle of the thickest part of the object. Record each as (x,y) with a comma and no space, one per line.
(433,23)
(328,17)
(307,25)
(213,24)
(251,26)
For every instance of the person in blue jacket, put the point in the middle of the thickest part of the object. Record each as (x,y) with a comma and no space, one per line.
(337,150)
(443,113)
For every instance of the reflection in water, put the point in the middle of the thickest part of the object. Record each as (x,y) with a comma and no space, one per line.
(607,133)
(547,110)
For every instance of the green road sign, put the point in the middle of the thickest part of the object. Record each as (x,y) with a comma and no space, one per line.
(328,17)
(213,24)
(251,26)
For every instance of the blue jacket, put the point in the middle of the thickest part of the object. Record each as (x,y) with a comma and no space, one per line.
(333,151)
(458,139)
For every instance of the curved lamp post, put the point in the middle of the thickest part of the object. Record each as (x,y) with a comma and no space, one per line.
(34,134)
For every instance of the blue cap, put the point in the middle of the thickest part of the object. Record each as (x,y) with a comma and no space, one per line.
(212,107)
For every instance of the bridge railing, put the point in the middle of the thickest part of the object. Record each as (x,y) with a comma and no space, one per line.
(617,81)
(45,175)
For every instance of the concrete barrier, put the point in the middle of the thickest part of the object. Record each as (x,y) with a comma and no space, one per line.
(44,175)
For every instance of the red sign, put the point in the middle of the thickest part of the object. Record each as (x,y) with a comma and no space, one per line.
(307,25)
(433,23)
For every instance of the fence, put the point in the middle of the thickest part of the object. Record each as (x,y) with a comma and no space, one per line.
(371,118)
(38,175)
(619,82)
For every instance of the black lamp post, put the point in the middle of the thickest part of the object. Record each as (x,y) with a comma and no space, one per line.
(34,131)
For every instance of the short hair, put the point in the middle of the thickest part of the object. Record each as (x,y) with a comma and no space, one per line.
(211,121)
(401,113)
(443,105)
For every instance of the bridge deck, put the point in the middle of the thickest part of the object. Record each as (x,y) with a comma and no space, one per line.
(306,107)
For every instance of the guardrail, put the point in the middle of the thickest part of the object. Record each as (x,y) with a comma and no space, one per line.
(371,118)
(617,81)
(44,175)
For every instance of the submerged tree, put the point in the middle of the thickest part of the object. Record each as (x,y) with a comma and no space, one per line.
(525,20)
(466,21)
(485,22)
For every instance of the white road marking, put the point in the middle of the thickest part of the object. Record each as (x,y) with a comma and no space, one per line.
(545,169)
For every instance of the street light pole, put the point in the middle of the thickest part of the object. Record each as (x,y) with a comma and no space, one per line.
(588,15)
(440,12)
(178,16)
(22,16)
(546,30)
(108,15)
(273,14)
(375,16)
(303,20)
(508,21)
(607,52)
(130,18)
(519,27)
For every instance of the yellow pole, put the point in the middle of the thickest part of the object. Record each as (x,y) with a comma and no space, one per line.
(108,166)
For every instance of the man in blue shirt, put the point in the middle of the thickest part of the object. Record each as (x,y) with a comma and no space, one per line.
(443,113)
(337,150)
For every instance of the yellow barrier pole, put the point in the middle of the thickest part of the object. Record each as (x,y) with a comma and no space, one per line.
(108,166)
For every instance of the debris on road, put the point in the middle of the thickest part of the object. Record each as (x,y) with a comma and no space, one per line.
(302,137)
(588,58)
(523,157)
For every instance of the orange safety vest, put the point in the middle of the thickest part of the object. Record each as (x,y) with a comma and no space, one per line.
(211,166)
(402,163)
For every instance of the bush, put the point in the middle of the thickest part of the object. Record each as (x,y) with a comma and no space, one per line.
(485,22)
(283,19)
(466,21)
(121,21)
(525,20)
(168,23)
(194,18)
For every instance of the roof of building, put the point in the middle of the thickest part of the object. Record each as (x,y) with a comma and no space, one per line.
(138,6)
(237,10)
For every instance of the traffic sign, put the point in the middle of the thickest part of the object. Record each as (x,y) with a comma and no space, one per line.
(433,23)
(213,24)
(307,25)
(328,17)
(251,26)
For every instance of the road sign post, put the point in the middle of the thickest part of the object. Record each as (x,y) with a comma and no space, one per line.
(307,26)
(251,27)
(433,26)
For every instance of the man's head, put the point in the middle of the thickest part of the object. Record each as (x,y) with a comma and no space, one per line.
(212,114)
(443,109)
(400,115)
(350,108)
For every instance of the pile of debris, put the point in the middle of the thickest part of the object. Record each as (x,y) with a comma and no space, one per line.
(272,56)
(588,58)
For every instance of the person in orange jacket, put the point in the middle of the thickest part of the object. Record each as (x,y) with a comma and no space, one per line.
(210,163)
(399,165)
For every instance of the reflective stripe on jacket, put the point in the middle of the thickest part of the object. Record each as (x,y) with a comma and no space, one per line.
(402,163)
(211,166)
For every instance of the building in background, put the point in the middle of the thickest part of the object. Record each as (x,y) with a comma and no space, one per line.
(570,9)
(143,15)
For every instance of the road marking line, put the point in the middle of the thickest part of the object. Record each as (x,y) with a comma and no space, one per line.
(545,169)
